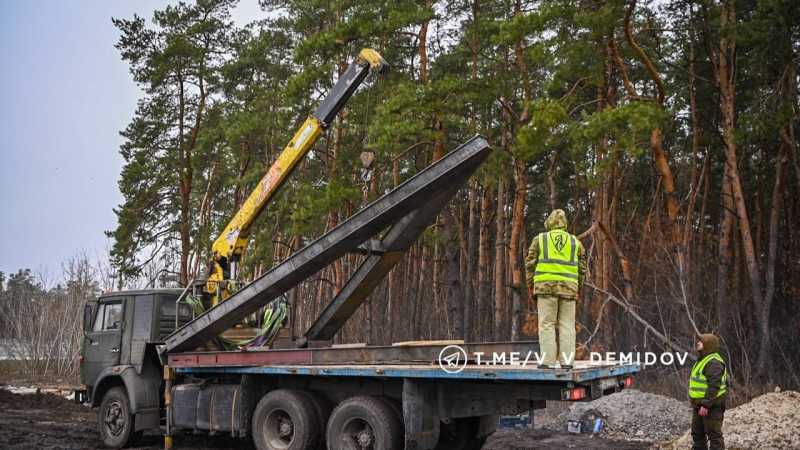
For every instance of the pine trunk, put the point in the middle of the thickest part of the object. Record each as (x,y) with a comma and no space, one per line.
(485,317)
(519,292)
(500,262)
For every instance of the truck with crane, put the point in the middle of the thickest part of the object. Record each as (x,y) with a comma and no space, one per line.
(146,363)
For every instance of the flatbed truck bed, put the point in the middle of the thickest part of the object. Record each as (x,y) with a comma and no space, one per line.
(430,399)
(582,372)
(416,359)
(432,403)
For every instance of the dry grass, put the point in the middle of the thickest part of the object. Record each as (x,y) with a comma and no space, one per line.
(14,373)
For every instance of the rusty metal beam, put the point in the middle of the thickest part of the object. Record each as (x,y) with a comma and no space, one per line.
(405,354)
(372,271)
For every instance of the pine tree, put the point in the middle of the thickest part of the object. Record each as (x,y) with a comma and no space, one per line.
(177,65)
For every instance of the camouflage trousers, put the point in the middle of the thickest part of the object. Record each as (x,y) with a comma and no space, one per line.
(556,314)
(707,431)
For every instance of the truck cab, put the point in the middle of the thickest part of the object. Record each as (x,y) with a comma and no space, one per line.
(120,369)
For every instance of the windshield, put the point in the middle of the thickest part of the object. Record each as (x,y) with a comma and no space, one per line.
(168,307)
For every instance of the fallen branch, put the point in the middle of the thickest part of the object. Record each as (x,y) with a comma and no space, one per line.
(588,232)
(597,325)
(660,336)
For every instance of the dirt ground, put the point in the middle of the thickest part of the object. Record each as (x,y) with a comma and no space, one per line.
(50,422)
(549,440)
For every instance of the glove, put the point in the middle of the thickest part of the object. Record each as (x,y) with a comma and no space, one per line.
(703,411)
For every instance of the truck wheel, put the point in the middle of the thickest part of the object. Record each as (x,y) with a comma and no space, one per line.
(322,410)
(460,435)
(285,420)
(114,418)
(364,423)
(396,407)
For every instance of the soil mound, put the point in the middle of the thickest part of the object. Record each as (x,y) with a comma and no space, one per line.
(771,421)
(632,415)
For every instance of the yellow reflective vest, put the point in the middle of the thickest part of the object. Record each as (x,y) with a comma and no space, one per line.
(698,385)
(558,257)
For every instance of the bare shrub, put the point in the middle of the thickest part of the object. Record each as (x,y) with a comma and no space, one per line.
(42,326)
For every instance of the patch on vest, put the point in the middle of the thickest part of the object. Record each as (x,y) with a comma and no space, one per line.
(559,240)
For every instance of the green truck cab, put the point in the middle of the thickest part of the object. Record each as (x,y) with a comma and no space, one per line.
(120,369)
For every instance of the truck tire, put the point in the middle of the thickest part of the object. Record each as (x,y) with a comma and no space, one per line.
(396,407)
(285,420)
(322,409)
(114,418)
(364,423)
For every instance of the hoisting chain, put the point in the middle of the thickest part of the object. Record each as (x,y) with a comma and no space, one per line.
(367,156)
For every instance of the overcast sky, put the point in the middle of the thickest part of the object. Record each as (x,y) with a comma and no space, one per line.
(64,96)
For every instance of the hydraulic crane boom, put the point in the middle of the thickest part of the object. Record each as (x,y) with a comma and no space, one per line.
(232,242)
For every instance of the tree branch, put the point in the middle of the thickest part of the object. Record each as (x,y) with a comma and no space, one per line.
(642,55)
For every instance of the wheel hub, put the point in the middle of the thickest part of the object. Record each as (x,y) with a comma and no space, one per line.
(285,427)
(114,419)
(365,438)
(279,429)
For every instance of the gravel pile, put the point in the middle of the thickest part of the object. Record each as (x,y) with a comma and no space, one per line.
(771,421)
(632,415)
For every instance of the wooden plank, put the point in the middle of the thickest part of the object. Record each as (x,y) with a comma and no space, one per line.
(353,345)
(421,343)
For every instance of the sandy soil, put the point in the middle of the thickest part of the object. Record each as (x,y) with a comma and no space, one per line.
(50,422)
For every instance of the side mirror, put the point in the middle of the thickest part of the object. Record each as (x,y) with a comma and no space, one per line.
(87,317)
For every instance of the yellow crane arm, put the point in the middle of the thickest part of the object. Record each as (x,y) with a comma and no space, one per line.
(232,242)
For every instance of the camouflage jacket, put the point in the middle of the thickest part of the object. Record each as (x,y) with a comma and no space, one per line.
(557,220)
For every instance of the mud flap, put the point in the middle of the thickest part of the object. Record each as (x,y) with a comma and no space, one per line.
(147,419)
(420,414)
(488,425)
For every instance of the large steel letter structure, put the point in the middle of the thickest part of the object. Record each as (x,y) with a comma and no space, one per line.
(406,211)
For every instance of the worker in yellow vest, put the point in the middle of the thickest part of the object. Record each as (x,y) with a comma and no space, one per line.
(708,387)
(555,267)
